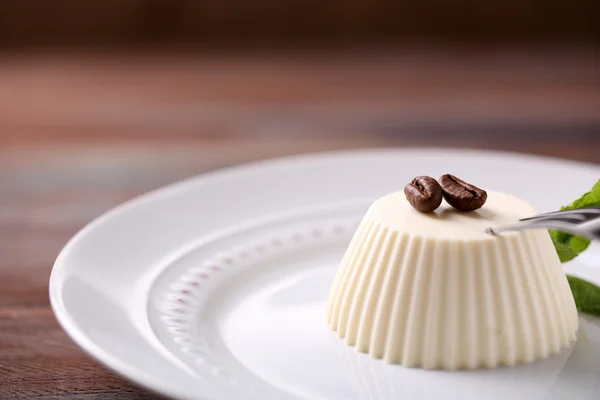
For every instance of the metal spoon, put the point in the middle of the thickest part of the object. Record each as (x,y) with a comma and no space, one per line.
(582,222)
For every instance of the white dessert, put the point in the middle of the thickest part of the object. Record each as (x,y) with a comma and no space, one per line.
(433,290)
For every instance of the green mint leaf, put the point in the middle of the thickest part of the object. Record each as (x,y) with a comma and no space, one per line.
(569,246)
(586,294)
(590,199)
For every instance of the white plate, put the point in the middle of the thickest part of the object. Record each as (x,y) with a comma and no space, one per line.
(214,288)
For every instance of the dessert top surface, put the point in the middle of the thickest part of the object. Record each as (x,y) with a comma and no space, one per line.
(394,210)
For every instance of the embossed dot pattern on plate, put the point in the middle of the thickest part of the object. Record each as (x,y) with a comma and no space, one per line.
(180,311)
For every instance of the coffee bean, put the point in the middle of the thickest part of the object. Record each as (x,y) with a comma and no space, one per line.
(424,193)
(462,195)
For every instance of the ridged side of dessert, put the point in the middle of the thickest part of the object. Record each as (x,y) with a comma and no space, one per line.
(442,302)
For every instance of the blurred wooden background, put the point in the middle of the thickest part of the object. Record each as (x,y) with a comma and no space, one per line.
(288,23)
(529,101)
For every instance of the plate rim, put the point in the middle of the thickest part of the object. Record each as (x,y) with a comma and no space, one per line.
(137,375)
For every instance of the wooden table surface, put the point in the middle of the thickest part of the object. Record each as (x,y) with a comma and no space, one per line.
(80,134)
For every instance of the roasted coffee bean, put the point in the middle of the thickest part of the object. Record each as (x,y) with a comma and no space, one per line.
(462,195)
(424,193)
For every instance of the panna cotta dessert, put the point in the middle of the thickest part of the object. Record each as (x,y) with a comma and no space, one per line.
(433,290)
